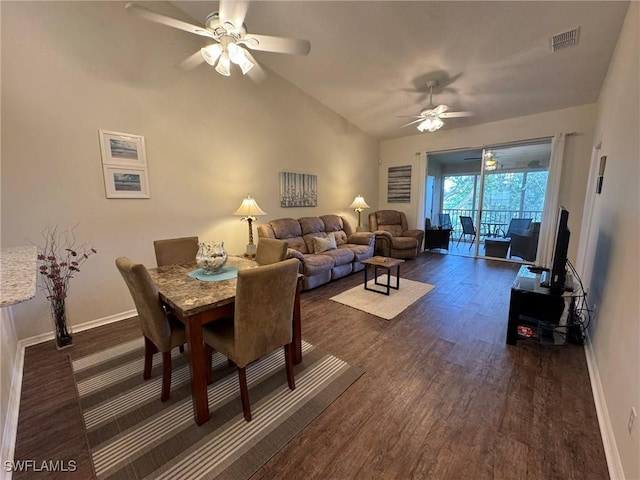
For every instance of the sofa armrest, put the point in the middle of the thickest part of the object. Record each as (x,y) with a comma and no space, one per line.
(293,253)
(361,238)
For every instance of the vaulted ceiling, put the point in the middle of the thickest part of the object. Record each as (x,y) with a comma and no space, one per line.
(370,60)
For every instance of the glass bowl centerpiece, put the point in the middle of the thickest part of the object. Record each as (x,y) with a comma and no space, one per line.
(211,257)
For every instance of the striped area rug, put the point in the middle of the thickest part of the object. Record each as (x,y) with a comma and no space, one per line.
(132,434)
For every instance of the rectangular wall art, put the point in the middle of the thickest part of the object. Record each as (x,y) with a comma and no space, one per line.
(399,184)
(124,164)
(298,190)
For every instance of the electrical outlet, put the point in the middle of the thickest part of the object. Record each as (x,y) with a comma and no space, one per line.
(632,418)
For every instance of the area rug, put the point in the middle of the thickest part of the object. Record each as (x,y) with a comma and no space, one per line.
(384,306)
(132,434)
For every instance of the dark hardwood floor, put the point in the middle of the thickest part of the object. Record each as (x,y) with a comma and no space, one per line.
(442,397)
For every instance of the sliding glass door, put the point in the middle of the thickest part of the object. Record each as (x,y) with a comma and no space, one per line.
(513,184)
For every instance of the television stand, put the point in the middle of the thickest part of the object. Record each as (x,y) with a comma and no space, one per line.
(536,312)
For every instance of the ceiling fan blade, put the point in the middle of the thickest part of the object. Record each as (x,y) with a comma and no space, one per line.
(257,73)
(192,61)
(267,43)
(147,14)
(440,109)
(232,13)
(456,114)
(411,123)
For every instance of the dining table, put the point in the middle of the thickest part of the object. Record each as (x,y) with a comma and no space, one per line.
(197,302)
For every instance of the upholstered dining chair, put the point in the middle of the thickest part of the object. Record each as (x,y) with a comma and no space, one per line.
(176,251)
(270,250)
(161,332)
(262,322)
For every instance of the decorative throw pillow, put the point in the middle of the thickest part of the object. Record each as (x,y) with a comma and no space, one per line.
(321,244)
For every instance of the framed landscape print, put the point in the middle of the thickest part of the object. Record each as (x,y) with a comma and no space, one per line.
(126,182)
(298,190)
(124,164)
(122,149)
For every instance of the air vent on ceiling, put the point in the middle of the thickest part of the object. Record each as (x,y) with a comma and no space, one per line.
(565,39)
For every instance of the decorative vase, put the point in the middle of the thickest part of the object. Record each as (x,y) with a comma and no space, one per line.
(64,339)
(211,257)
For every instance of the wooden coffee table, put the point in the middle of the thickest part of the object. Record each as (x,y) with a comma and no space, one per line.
(386,264)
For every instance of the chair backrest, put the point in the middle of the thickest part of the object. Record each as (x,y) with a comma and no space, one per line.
(518,225)
(264,309)
(445,221)
(271,251)
(176,251)
(467,225)
(392,221)
(153,320)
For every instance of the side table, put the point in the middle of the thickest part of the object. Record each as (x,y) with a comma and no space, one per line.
(385,264)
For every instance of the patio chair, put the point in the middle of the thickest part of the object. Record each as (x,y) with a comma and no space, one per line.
(467,229)
(445,221)
(518,226)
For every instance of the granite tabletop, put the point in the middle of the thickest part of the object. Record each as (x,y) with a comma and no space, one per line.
(190,295)
(19,268)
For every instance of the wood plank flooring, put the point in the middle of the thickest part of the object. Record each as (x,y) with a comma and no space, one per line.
(443,396)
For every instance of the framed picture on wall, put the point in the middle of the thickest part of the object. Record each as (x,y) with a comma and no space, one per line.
(124,164)
(122,149)
(126,182)
(399,184)
(298,190)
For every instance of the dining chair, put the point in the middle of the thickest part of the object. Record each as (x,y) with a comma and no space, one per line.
(271,250)
(176,251)
(261,323)
(467,229)
(161,331)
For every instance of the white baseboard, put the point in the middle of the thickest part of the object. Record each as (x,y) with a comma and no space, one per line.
(13,406)
(611,453)
(45,337)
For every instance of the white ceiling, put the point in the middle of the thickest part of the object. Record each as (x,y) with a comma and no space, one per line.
(370,60)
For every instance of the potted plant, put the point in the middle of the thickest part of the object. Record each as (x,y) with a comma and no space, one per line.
(58,261)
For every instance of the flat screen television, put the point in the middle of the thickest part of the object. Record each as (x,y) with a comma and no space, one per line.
(555,279)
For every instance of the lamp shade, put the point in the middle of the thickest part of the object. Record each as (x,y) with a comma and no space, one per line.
(249,208)
(359,204)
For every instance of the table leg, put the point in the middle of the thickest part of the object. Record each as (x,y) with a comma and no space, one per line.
(297,326)
(197,365)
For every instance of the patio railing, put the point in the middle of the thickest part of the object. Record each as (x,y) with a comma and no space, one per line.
(495,217)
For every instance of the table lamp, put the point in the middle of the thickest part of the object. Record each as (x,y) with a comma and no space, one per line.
(249,210)
(359,205)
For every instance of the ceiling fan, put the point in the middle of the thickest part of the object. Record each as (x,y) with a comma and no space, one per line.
(230,40)
(430,118)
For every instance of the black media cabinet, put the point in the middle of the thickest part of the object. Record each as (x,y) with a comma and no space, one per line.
(535,312)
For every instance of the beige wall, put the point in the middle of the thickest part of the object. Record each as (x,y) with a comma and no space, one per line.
(71,68)
(577,155)
(613,256)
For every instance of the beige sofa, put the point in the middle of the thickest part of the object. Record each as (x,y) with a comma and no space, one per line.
(310,240)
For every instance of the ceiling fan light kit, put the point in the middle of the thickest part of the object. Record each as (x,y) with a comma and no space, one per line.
(232,43)
(430,118)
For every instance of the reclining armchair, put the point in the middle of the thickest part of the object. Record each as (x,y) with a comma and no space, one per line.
(393,236)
